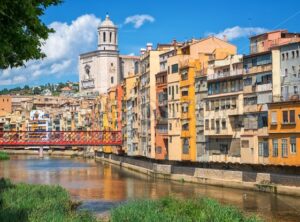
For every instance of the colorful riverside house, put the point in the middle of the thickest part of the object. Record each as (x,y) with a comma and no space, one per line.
(194,59)
(262,85)
(284,132)
(127,114)
(161,125)
(223,114)
(174,127)
(149,63)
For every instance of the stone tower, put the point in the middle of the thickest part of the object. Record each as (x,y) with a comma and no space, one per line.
(100,69)
(108,53)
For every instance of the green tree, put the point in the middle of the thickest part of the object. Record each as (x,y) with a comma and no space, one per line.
(22,31)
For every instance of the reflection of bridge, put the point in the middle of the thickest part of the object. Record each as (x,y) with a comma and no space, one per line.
(60,138)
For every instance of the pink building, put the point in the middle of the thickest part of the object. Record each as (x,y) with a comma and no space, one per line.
(263,42)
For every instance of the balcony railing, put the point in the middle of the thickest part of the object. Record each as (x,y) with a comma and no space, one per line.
(224,74)
(258,69)
(264,87)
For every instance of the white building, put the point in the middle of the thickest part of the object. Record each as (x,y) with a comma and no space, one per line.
(104,68)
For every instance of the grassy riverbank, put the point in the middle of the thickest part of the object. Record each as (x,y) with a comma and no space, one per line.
(35,203)
(172,209)
(4,156)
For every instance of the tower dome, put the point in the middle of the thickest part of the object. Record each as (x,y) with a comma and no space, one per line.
(107,23)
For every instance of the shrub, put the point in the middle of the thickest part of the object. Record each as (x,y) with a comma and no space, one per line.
(4,156)
(34,203)
(172,209)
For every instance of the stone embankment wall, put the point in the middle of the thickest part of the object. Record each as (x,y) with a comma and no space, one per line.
(272,180)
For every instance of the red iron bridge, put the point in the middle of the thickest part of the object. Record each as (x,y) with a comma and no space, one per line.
(60,138)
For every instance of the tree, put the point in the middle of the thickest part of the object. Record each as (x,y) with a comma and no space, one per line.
(22,31)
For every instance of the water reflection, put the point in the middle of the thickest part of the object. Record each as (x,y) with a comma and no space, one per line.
(102,186)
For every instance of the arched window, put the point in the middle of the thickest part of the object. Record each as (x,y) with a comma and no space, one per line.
(104,36)
(110,35)
(115,38)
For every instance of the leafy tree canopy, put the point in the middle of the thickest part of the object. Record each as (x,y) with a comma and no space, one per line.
(22,31)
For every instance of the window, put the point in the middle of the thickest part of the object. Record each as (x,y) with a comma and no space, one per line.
(223,124)
(285,117)
(170,126)
(169,90)
(248,81)
(282,56)
(206,124)
(274,117)
(294,71)
(212,124)
(263,149)
(185,126)
(287,55)
(172,91)
(223,104)
(275,147)
(174,68)
(207,105)
(185,146)
(284,151)
(295,89)
(293,144)
(293,54)
(297,53)
(286,72)
(112,79)
(292,116)
(110,35)
(176,89)
(104,37)
(158,150)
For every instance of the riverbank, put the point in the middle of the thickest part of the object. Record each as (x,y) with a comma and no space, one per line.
(24,202)
(241,179)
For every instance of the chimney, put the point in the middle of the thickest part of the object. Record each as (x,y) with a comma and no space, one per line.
(149,46)
(142,51)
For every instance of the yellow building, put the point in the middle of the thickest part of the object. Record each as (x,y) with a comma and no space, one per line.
(128,114)
(284,133)
(194,58)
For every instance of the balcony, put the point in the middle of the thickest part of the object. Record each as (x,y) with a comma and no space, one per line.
(258,69)
(223,75)
(264,87)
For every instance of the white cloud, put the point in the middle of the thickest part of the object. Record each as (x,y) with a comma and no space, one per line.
(62,49)
(139,20)
(239,32)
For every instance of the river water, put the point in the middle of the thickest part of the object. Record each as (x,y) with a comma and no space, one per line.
(101,186)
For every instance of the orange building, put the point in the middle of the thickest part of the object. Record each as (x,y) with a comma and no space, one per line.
(5,105)
(161,125)
(284,133)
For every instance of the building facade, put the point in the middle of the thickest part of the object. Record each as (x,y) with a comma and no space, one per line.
(104,68)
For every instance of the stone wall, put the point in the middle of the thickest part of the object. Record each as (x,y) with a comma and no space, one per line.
(243,179)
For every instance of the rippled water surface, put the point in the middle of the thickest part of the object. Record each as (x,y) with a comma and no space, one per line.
(102,186)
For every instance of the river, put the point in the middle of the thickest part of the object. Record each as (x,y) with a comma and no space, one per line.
(101,186)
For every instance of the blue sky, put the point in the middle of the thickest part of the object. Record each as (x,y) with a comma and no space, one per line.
(76,21)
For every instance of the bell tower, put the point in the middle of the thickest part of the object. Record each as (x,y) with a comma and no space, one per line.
(107,36)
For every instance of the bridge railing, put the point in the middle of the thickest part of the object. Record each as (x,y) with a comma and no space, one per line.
(60,138)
